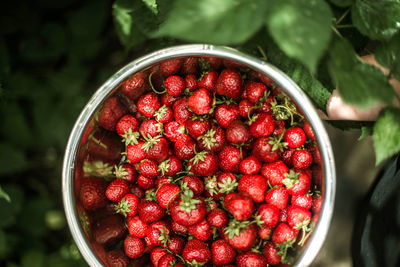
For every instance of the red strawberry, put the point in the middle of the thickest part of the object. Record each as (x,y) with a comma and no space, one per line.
(208,81)
(264,232)
(271,253)
(176,244)
(287,156)
(227,182)
(237,133)
(229,83)
(168,100)
(302,159)
(262,150)
(200,101)
(275,172)
(232,64)
(156,148)
(190,65)
(149,211)
(111,112)
(250,165)
(191,82)
(145,182)
(158,233)
(277,196)
(175,85)
(213,140)
(254,185)
(217,218)
(269,215)
(309,131)
(197,127)
(317,203)
(136,226)
(117,189)
(174,130)
(184,148)
(135,152)
(156,254)
(240,206)
(117,258)
(128,205)
(214,62)
(299,218)
(188,210)
(109,230)
(263,125)
(194,183)
(202,230)
(126,123)
(255,91)
(204,164)
(283,233)
(134,247)
(195,250)
(166,194)
(279,128)
(167,261)
(92,193)
(179,229)
(251,259)
(150,128)
(148,104)
(126,172)
(222,253)
(162,180)
(225,114)
(245,108)
(283,215)
(137,190)
(229,159)
(241,235)
(171,166)
(295,137)
(297,183)
(136,85)
(305,201)
(171,66)
(181,110)
(148,168)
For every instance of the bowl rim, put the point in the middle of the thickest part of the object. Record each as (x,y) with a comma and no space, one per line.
(318,237)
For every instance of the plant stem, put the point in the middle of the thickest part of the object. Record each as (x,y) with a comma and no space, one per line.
(342,17)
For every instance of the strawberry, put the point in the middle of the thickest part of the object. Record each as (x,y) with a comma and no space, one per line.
(158,233)
(227,182)
(208,81)
(117,258)
(245,108)
(200,101)
(181,110)
(251,259)
(299,218)
(168,100)
(197,127)
(111,112)
(268,215)
(275,172)
(254,185)
(287,156)
(217,218)
(145,182)
(262,126)
(271,253)
(156,254)
(179,229)
(117,189)
(304,201)
(156,148)
(194,183)
(229,159)
(232,64)
(135,85)
(283,215)
(136,226)
(134,247)
(250,165)
(189,65)
(277,196)
(297,183)
(166,194)
(128,205)
(137,190)
(225,114)
(135,152)
(264,232)
(195,250)
(126,172)
(171,66)
(167,260)
(148,168)
(150,128)
(316,203)
(184,148)
(202,230)
(240,206)
(295,137)
(308,130)
(174,130)
(149,211)
(109,230)
(229,83)
(92,193)
(191,82)
(222,253)
(213,62)
(279,128)
(171,166)
(237,133)
(127,123)
(263,150)
(175,85)
(188,210)
(302,159)
(283,233)
(241,235)
(204,164)
(213,140)
(176,244)
(254,91)
(162,180)
(148,104)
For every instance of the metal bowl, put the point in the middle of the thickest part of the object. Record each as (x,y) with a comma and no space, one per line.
(77,147)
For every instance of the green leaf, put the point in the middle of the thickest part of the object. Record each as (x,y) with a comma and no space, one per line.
(152,5)
(216,22)
(12,159)
(4,195)
(386,134)
(365,132)
(358,83)
(388,55)
(342,3)
(378,20)
(301,28)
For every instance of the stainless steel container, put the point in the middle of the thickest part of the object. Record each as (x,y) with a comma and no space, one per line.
(73,159)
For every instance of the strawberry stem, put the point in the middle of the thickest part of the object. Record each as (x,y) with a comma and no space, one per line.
(152,86)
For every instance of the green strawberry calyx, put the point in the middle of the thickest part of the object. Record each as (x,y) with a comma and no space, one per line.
(188,203)
(208,139)
(123,207)
(291,179)
(235,227)
(120,172)
(130,137)
(150,142)
(164,166)
(227,185)
(97,169)
(283,251)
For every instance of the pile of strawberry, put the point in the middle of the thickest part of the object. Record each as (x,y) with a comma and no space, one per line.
(218,169)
